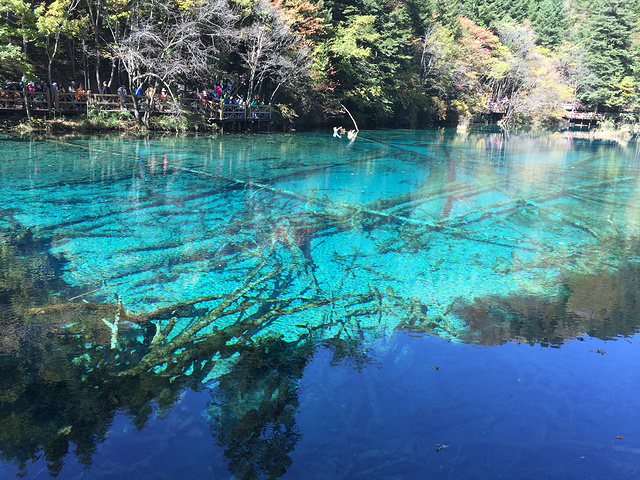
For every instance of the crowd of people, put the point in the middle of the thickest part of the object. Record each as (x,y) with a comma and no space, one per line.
(41,86)
(224,92)
(498,105)
(220,93)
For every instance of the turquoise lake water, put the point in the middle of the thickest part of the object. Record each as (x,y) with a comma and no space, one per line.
(411,304)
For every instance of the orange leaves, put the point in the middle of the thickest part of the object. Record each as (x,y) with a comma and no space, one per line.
(303,16)
(483,38)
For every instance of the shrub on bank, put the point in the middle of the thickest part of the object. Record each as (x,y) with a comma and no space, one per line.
(180,123)
(97,120)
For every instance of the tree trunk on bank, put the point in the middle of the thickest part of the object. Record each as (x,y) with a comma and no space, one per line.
(27,107)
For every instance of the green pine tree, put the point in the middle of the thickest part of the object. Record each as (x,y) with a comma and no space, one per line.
(519,10)
(533,10)
(489,12)
(607,40)
(552,22)
(469,8)
(447,11)
(419,13)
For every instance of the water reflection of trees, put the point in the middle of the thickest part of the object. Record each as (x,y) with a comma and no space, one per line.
(68,367)
(62,383)
(603,304)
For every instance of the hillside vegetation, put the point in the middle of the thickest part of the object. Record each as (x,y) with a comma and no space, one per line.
(390,62)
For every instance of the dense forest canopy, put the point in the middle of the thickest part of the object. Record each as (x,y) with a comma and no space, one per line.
(392,62)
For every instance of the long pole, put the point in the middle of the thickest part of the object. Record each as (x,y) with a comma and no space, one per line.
(352,119)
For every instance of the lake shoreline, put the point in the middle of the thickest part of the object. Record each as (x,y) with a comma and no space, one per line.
(116,122)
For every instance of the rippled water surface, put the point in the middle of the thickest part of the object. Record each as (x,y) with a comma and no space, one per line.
(431,304)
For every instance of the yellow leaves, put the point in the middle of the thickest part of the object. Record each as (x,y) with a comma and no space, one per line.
(57,18)
(498,69)
(350,41)
(117,10)
(187,5)
(621,90)
(116,17)
(17,7)
(440,107)
(244,6)
(370,93)
(627,87)
(117,5)
(364,26)
(302,16)
(545,90)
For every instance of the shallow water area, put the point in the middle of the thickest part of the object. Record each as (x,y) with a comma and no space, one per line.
(439,303)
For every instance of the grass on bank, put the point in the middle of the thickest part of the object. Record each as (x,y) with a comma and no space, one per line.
(121,121)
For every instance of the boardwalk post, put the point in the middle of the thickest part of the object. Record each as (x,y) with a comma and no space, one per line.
(27,107)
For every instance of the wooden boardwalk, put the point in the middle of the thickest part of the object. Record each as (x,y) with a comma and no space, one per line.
(571,113)
(574,115)
(64,103)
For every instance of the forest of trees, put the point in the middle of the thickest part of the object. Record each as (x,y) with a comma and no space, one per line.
(391,62)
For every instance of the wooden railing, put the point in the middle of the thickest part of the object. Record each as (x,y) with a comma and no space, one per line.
(110,102)
(64,102)
(573,111)
(67,102)
(598,117)
(11,100)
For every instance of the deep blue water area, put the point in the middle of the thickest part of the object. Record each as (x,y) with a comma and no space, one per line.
(411,304)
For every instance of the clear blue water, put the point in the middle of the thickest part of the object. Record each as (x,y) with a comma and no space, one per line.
(432,304)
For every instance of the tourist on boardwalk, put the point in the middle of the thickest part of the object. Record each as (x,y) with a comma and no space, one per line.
(80,97)
(138,92)
(122,93)
(163,98)
(208,98)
